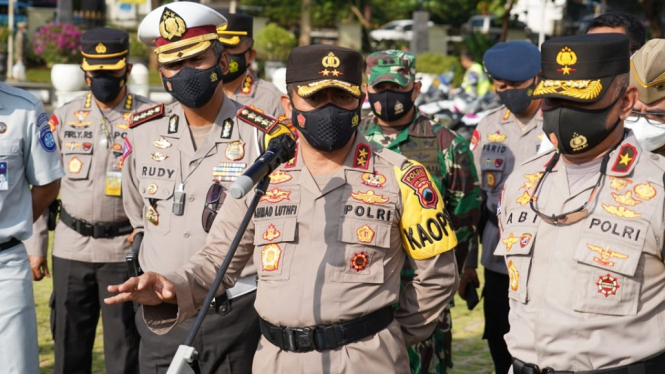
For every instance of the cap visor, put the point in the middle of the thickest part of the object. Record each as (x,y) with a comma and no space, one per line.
(581,91)
(183,53)
(94,64)
(308,89)
(374,82)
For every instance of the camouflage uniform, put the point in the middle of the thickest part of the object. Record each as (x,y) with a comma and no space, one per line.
(449,160)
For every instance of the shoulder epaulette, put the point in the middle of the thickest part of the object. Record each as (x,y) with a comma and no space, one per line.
(257,118)
(146,115)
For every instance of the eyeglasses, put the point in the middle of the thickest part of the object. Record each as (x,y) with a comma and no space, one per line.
(651,117)
(214,199)
(572,216)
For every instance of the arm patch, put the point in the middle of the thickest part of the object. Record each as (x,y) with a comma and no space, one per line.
(146,115)
(257,118)
(425,225)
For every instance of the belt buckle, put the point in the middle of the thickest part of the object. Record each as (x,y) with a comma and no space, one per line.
(304,339)
(100,231)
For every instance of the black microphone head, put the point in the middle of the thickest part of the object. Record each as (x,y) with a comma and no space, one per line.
(284,146)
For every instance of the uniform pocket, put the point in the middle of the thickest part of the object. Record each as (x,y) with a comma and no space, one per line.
(491,168)
(275,243)
(608,275)
(11,161)
(515,245)
(157,194)
(365,245)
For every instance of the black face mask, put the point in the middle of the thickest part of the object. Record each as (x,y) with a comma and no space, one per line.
(517,100)
(193,88)
(391,105)
(237,67)
(328,128)
(577,130)
(106,88)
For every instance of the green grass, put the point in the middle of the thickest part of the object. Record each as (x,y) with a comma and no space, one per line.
(470,352)
(43,75)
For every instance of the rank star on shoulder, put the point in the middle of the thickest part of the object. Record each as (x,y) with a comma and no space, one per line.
(625,159)
(362,153)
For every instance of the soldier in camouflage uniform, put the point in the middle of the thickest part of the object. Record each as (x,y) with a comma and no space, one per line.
(398,125)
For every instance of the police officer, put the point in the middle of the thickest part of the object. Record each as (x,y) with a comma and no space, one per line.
(397,124)
(504,139)
(240,84)
(582,227)
(28,156)
(647,119)
(92,236)
(172,155)
(328,238)
(476,83)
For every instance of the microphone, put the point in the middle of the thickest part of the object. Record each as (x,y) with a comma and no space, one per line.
(280,150)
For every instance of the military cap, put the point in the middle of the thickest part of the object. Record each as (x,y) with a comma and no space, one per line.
(315,67)
(104,49)
(239,27)
(581,68)
(180,30)
(514,61)
(647,68)
(391,66)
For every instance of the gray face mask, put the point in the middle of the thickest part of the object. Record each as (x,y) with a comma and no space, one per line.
(517,100)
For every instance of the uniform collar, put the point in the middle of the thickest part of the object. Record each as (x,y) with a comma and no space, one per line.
(359,157)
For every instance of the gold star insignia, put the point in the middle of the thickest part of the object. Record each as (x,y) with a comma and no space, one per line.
(566,70)
(625,159)
(335,73)
(361,161)
(362,153)
(325,72)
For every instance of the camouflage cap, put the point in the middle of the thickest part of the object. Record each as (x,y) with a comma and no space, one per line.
(391,66)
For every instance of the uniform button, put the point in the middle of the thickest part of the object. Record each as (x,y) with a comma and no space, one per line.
(186,235)
(654,157)
(191,198)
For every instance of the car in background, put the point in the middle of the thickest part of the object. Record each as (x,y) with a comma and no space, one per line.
(20,12)
(490,26)
(395,30)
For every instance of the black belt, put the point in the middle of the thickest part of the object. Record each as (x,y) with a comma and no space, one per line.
(653,365)
(96,230)
(326,337)
(13,242)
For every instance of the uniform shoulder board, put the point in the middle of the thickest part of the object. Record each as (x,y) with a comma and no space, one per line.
(257,118)
(146,115)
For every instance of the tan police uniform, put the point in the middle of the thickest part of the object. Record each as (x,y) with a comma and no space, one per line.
(91,141)
(499,145)
(261,94)
(333,254)
(588,295)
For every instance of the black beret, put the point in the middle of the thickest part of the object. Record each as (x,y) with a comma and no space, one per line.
(514,61)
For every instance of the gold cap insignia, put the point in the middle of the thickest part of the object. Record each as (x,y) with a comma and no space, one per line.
(172,27)
(565,58)
(100,48)
(330,61)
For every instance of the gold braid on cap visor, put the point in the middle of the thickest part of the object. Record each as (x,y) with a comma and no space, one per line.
(304,91)
(202,43)
(117,66)
(582,89)
(232,41)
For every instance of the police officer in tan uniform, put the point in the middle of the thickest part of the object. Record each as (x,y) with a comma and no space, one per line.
(328,238)
(502,140)
(91,238)
(173,154)
(239,83)
(582,227)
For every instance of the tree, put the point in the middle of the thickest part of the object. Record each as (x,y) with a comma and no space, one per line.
(653,9)
(305,23)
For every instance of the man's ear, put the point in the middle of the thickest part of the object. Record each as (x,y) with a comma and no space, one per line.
(129,68)
(286,104)
(224,63)
(251,56)
(628,102)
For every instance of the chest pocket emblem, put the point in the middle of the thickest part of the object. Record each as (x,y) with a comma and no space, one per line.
(75,165)
(365,234)
(607,285)
(270,256)
(359,261)
(605,255)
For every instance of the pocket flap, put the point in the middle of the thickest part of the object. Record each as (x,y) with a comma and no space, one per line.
(606,253)
(157,188)
(516,241)
(373,233)
(275,231)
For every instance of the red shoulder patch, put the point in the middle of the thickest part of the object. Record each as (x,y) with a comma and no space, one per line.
(146,115)
(475,138)
(361,158)
(625,158)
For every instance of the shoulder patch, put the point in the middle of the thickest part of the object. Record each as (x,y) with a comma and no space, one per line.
(362,156)
(146,115)
(625,159)
(247,85)
(257,118)
(425,226)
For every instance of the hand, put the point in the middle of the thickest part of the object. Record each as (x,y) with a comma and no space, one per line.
(148,289)
(130,238)
(39,267)
(469,275)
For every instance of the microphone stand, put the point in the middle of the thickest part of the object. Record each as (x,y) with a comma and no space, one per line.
(185,356)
